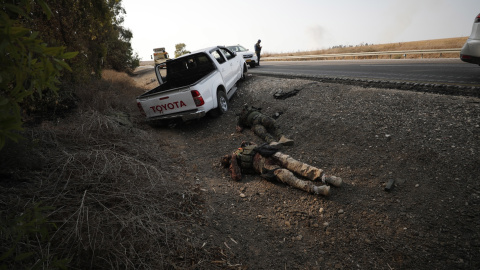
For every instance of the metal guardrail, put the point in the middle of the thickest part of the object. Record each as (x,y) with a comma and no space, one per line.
(363,54)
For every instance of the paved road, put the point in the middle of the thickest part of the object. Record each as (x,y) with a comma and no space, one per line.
(433,71)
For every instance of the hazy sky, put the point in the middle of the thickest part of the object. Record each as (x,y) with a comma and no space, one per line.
(293,25)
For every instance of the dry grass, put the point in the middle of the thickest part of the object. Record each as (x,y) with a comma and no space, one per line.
(119,196)
(447,43)
(116,91)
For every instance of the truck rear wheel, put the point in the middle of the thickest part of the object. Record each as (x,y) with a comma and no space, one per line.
(222,102)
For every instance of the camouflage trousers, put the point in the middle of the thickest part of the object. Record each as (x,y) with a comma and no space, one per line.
(283,168)
(266,128)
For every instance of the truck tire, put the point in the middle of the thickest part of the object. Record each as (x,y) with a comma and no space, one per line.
(251,64)
(222,102)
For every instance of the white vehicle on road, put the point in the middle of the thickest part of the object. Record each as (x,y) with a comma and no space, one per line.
(250,57)
(470,52)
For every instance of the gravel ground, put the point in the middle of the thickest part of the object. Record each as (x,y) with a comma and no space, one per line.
(428,144)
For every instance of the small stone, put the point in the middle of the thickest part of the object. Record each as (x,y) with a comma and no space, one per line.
(325,224)
(417,185)
(321,210)
(389,185)
(287,223)
(242,195)
(340,211)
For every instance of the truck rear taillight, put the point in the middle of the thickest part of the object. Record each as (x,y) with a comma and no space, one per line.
(477,19)
(197,98)
(141,109)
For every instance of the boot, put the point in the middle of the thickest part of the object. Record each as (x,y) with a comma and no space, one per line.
(322,190)
(332,180)
(276,144)
(284,141)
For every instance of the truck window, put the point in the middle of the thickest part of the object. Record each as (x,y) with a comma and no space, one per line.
(178,66)
(227,54)
(203,59)
(218,56)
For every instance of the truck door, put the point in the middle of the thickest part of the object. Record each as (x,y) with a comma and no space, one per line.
(233,66)
(225,68)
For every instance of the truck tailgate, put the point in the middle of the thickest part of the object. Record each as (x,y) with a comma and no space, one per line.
(168,103)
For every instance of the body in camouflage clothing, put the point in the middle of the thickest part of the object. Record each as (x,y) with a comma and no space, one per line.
(264,126)
(274,165)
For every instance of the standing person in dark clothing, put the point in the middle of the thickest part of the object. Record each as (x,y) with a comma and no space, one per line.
(258,49)
(263,125)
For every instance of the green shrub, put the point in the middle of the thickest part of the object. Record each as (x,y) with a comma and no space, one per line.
(23,234)
(28,66)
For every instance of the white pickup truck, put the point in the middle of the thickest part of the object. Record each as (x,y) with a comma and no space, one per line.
(196,83)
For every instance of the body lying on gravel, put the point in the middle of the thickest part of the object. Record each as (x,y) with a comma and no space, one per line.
(271,164)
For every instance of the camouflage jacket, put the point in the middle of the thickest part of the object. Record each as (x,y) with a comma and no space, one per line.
(246,117)
(245,158)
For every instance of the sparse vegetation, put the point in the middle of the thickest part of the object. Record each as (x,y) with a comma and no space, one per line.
(85,188)
(40,41)
(29,67)
(93,28)
(180,49)
(116,196)
(447,43)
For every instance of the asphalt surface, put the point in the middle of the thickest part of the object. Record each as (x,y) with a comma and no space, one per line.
(421,71)
(441,76)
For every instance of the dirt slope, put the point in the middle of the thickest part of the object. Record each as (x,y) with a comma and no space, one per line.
(427,143)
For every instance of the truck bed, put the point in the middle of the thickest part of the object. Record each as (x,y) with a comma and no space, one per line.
(184,73)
